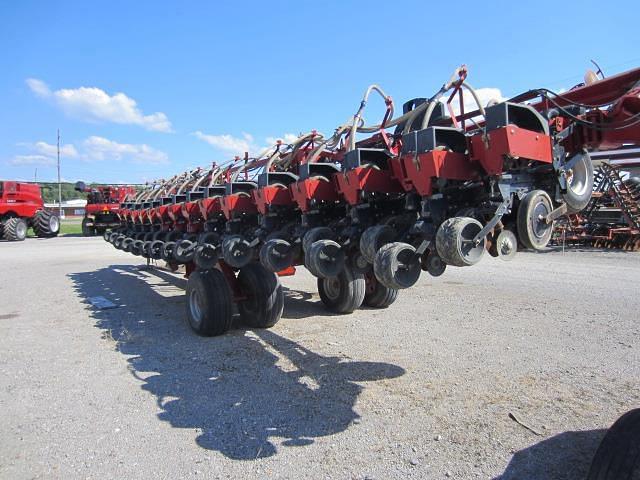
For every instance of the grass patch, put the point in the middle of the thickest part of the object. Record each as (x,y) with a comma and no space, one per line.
(70,228)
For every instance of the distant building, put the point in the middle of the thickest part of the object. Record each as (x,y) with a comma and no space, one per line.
(70,208)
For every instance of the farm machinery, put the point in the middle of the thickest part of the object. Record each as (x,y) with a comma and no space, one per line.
(21,207)
(369,208)
(103,202)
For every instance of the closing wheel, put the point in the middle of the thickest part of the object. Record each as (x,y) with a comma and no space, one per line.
(373,238)
(433,264)
(155,250)
(454,241)
(315,234)
(579,183)
(209,303)
(276,254)
(376,294)
(236,251)
(112,237)
(206,256)
(533,231)
(264,302)
(15,229)
(397,266)
(46,224)
(618,456)
(505,246)
(167,251)
(136,247)
(325,258)
(119,242)
(146,249)
(184,251)
(343,293)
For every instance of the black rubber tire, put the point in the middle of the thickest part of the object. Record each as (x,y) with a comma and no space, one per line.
(184,251)
(396,266)
(120,240)
(146,249)
(87,231)
(374,238)
(325,258)
(343,293)
(315,234)
(167,251)
(532,232)
(106,234)
(209,303)
(453,241)
(264,302)
(580,185)
(155,250)
(136,247)
(378,295)
(46,224)
(276,254)
(236,251)
(618,456)
(206,256)
(15,229)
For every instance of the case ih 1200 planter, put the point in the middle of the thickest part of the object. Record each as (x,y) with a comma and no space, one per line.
(430,188)
(21,207)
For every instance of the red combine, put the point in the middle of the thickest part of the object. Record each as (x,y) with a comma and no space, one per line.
(103,203)
(21,207)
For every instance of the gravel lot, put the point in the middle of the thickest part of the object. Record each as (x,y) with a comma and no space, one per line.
(423,389)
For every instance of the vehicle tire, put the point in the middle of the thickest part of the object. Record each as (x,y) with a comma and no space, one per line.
(206,256)
(396,266)
(579,184)
(136,247)
(46,224)
(453,241)
(184,251)
(343,293)
(87,228)
(15,229)
(325,258)
(533,232)
(373,238)
(315,234)
(376,294)
(276,254)
(618,456)
(264,302)
(236,251)
(167,251)
(209,303)
(106,234)
(155,250)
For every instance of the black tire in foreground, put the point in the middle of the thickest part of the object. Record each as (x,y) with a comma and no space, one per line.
(15,229)
(618,456)
(376,294)
(46,224)
(87,228)
(209,303)
(264,302)
(343,293)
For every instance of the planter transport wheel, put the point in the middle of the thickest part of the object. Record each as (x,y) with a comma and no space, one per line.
(15,229)
(209,303)
(533,231)
(579,183)
(373,238)
(264,302)
(376,294)
(276,255)
(326,258)
(618,456)
(343,293)
(396,266)
(236,251)
(454,241)
(46,224)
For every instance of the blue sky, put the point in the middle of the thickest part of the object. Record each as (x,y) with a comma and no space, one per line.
(144,89)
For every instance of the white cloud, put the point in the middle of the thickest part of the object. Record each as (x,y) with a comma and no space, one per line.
(100,148)
(96,105)
(238,145)
(42,160)
(46,149)
(485,95)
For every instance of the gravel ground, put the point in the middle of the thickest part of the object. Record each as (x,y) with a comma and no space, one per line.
(423,389)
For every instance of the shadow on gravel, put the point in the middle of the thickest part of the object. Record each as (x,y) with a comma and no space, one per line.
(242,393)
(566,456)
